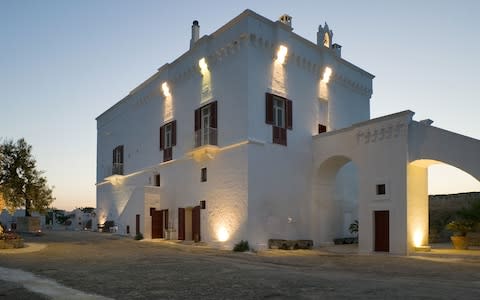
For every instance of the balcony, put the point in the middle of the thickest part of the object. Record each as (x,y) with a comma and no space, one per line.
(117,169)
(205,144)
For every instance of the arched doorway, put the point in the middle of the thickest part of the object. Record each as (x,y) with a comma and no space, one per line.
(335,199)
(427,177)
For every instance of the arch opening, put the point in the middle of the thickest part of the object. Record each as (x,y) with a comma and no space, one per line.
(335,200)
(426,220)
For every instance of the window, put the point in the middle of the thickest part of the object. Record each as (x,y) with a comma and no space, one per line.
(206,125)
(322,128)
(279,115)
(168,139)
(381,189)
(203,175)
(117,161)
(157,180)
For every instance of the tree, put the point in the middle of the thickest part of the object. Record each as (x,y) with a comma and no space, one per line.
(21,183)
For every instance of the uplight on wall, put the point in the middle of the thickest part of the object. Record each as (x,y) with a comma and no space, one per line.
(166,90)
(281,54)
(222,234)
(326,74)
(203,66)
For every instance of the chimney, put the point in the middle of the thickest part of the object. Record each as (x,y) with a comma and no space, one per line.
(286,19)
(195,33)
(337,49)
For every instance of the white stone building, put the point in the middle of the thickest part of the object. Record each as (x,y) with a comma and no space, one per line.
(257,133)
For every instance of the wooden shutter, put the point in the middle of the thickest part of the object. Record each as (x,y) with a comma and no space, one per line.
(113,158)
(121,153)
(162,137)
(213,114)
(283,136)
(289,114)
(174,133)
(166,218)
(198,123)
(269,108)
(181,223)
(196,224)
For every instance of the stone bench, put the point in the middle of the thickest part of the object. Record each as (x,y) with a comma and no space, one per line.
(289,244)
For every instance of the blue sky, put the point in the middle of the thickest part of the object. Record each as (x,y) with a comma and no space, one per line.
(62,63)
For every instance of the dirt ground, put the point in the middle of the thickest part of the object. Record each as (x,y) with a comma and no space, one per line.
(121,268)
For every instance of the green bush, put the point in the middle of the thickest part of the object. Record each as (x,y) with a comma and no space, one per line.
(138,236)
(241,246)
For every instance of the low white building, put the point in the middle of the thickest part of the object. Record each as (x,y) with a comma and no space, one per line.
(256,133)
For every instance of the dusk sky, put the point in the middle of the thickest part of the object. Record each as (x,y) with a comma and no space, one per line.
(63,63)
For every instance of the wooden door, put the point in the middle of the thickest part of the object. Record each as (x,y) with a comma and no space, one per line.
(157,224)
(137,224)
(196,224)
(382,228)
(181,223)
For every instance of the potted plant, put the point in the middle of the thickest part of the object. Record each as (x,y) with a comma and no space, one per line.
(459,229)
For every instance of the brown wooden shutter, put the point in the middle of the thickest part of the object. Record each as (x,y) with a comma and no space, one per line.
(198,123)
(166,218)
(174,133)
(283,136)
(181,223)
(275,134)
(289,114)
(196,224)
(162,137)
(213,115)
(121,154)
(269,108)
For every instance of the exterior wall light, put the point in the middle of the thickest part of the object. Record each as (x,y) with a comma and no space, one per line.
(326,74)
(203,65)
(222,234)
(166,90)
(281,54)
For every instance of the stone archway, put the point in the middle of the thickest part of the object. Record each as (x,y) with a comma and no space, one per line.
(335,199)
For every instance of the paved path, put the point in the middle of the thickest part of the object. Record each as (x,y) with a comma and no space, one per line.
(122,268)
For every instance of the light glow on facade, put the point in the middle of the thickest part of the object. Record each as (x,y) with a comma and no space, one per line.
(222,234)
(281,54)
(203,66)
(326,74)
(417,238)
(166,90)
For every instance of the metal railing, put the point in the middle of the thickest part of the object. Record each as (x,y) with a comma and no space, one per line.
(206,136)
(117,169)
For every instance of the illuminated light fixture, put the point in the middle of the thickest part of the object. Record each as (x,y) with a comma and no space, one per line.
(281,54)
(326,74)
(222,234)
(203,65)
(166,90)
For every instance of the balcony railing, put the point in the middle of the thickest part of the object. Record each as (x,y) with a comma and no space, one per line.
(206,136)
(117,169)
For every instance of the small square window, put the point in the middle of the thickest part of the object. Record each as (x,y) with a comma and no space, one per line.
(203,204)
(322,128)
(157,180)
(204,175)
(381,189)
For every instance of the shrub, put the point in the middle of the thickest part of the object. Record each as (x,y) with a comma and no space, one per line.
(460,227)
(241,246)
(138,236)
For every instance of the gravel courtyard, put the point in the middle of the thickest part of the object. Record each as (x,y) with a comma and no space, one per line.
(121,268)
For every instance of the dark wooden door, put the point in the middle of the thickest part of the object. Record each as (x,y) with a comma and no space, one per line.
(157,224)
(196,223)
(137,224)
(181,223)
(382,228)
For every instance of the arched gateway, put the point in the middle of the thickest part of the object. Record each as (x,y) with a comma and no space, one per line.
(391,155)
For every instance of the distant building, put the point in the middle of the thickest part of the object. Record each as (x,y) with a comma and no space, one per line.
(256,133)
